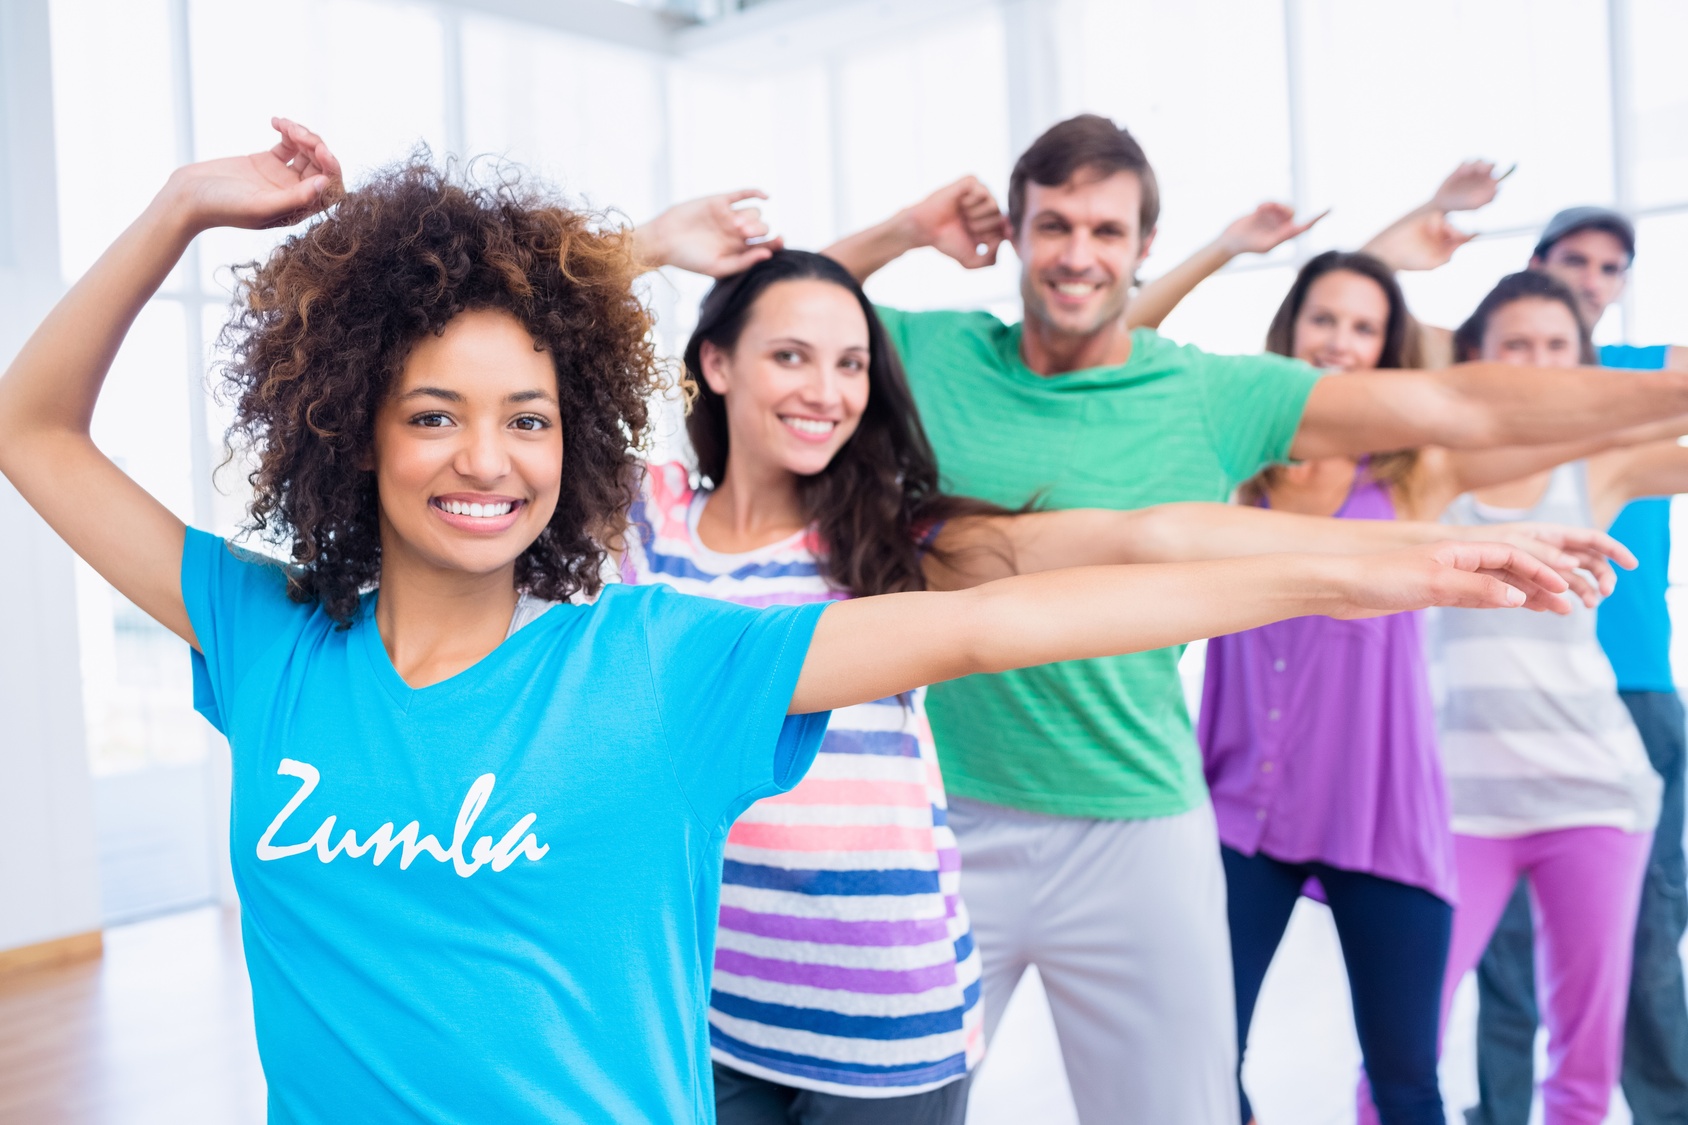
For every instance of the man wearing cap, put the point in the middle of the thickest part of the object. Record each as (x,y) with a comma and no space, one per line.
(1590,249)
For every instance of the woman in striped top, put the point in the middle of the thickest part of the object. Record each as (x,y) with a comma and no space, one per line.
(846,981)
(1547,775)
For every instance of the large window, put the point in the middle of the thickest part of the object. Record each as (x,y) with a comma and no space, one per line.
(115,124)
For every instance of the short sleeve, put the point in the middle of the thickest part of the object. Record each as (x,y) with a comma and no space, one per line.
(723,677)
(1632,358)
(896,324)
(902,328)
(1253,405)
(238,605)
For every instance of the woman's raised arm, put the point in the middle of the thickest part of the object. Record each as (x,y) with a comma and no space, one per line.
(47,395)
(870,648)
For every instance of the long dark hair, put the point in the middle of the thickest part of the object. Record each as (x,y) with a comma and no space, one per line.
(1521,286)
(1400,349)
(879,495)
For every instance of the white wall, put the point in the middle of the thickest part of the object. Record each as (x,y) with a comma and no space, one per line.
(49,880)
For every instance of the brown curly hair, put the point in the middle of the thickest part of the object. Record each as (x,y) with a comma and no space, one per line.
(323,328)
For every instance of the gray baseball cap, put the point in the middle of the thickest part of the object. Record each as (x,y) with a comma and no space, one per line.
(1574,219)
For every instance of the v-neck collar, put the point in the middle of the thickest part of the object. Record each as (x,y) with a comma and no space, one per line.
(402,694)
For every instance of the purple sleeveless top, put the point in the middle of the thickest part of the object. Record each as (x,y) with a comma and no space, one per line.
(1318,740)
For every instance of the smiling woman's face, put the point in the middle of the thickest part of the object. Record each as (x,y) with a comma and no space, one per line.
(796,382)
(468,450)
(1342,322)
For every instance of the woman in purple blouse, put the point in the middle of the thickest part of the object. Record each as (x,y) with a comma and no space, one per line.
(1318,736)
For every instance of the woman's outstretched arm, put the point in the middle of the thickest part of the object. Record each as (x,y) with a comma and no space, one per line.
(1658,468)
(1469,470)
(975,549)
(47,396)
(870,648)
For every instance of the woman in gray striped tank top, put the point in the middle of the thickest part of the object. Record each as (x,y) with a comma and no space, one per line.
(1547,776)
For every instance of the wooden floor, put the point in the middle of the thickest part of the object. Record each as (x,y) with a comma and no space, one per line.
(156,1032)
(159,1032)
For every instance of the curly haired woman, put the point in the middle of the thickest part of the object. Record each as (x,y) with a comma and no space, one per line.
(479,867)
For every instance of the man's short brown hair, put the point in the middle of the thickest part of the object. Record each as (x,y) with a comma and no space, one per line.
(1088,142)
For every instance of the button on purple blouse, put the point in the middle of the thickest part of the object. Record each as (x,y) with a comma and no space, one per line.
(1318,741)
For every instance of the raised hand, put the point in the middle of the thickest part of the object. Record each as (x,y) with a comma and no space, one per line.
(710,235)
(1470,186)
(1267,226)
(963,221)
(276,188)
(1423,240)
(1464,575)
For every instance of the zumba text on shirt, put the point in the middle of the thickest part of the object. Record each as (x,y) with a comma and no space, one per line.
(383,840)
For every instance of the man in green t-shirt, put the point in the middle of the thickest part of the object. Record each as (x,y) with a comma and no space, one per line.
(1088,843)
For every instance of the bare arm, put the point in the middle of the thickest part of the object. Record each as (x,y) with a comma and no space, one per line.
(962,220)
(1423,239)
(1261,230)
(1481,406)
(869,648)
(1659,468)
(47,396)
(979,549)
(1472,469)
(712,235)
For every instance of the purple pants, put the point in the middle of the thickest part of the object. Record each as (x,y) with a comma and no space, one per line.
(1585,889)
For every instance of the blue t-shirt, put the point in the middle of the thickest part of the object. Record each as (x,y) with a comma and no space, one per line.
(493,898)
(1634,623)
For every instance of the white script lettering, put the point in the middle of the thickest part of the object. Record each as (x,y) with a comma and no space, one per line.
(383,840)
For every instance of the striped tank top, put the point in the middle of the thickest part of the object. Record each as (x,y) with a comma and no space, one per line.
(844,962)
(1534,735)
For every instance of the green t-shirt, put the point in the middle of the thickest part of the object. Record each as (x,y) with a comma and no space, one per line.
(1091,738)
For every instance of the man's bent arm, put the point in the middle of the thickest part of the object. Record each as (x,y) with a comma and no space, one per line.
(1480,406)
(961,220)
(868,251)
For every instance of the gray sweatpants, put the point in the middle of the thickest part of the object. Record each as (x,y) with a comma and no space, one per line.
(1125,921)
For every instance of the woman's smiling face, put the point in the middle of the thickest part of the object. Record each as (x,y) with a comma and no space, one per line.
(1343,322)
(468,451)
(796,382)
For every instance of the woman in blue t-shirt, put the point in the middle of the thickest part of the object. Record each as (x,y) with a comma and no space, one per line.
(479,868)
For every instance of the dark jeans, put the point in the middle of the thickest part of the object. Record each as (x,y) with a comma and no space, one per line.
(1395,944)
(1655,1074)
(743,1099)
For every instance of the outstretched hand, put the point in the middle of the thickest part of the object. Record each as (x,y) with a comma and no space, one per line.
(1463,575)
(711,235)
(1470,186)
(962,221)
(1268,226)
(1581,556)
(277,188)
